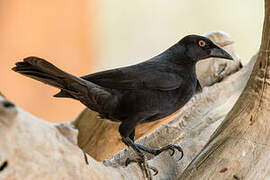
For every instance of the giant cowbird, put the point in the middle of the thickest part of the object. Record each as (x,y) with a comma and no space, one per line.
(136,94)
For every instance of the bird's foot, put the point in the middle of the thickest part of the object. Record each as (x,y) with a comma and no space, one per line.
(170,147)
(141,160)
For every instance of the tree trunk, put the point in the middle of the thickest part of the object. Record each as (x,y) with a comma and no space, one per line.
(239,148)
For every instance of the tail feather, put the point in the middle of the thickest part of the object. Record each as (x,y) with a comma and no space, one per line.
(71,86)
(30,68)
(62,94)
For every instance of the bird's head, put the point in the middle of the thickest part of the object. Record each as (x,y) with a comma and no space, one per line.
(198,48)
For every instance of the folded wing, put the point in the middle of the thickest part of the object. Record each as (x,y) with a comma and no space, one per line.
(139,76)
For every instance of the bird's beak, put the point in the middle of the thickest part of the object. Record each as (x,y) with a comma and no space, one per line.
(220,53)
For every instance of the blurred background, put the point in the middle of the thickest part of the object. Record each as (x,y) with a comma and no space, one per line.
(87,36)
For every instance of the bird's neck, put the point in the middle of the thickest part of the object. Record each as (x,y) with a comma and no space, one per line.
(190,69)
(177,59)
(178,55)
(181,62)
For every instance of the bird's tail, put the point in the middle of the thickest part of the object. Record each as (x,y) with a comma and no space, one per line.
(90,94)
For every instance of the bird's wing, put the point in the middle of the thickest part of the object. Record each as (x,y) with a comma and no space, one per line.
(137,77)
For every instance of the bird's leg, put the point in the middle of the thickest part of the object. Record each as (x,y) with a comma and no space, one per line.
(141,160)
(157,151)
(127,132)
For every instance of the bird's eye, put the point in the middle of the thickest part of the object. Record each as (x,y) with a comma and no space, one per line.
(201,43)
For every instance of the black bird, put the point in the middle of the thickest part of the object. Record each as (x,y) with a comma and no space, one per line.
(136,94)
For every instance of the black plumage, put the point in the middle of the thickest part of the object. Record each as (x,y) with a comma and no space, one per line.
(136,94)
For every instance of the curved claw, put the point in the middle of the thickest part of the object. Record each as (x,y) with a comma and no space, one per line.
(182,154)
(85,158)
(173,151)
(172,148)
(179,149)
(155,170)
(128,161)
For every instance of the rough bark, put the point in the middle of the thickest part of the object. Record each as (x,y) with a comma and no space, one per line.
(34,149)
(239,148)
